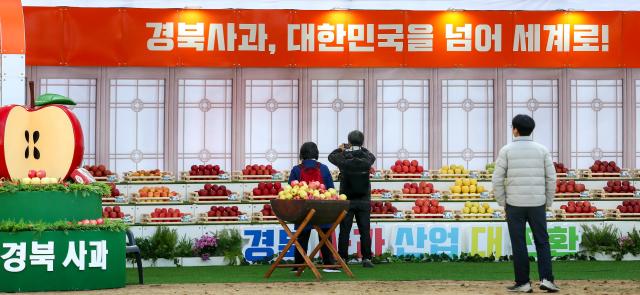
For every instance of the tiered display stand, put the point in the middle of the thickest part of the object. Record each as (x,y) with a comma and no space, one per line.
(256,222)
(54,206)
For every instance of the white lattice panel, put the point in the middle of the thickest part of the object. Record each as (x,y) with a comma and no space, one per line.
(83,93)
(136,117)
(596,121)
(271,121)
(337,108)
(467,122)
(204,123)
(538,99)
(403,121)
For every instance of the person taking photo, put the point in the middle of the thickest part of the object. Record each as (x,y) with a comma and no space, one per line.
(354,163)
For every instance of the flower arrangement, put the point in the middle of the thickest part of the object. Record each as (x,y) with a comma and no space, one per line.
(206,246)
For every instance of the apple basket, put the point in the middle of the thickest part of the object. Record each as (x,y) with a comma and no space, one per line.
(295,211)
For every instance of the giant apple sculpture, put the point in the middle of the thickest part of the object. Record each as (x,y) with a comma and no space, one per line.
(47,137)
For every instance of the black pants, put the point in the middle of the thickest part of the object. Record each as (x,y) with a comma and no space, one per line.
(303,239)
(362,211)
(517,218)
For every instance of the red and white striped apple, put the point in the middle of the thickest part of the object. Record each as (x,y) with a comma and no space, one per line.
(45,138)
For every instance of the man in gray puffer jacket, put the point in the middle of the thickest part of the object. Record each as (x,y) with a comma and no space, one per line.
(524,182)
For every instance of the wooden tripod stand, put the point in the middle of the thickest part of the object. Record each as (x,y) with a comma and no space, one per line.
(324,240)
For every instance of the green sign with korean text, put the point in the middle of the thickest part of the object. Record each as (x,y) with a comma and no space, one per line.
(62,261)
(564,239)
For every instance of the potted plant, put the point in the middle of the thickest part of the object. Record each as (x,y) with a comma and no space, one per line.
(601,243)
(630,245)
(230,246)
(160,249)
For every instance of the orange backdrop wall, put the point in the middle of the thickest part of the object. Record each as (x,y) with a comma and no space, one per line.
(296,38)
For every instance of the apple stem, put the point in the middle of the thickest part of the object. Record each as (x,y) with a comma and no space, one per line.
(32,98)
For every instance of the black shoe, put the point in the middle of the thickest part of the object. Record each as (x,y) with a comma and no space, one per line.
(548,286)
(522,288)
(367,263)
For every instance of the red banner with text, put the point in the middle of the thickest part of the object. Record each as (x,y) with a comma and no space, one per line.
(336,38)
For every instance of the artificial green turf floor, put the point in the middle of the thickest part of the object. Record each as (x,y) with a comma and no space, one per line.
(565,270)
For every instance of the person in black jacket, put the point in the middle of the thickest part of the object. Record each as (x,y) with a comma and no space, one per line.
(354,163)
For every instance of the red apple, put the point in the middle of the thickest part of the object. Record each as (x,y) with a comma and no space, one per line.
(563,188)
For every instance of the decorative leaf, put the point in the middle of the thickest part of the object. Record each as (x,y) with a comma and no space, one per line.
(62,225)
(51,98)
(96,187)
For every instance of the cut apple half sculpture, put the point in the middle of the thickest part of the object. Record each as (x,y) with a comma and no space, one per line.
(47,137)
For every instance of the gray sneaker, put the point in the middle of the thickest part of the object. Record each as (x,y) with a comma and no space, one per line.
(523,288)
(367,263)
(548,286)
(329,270)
